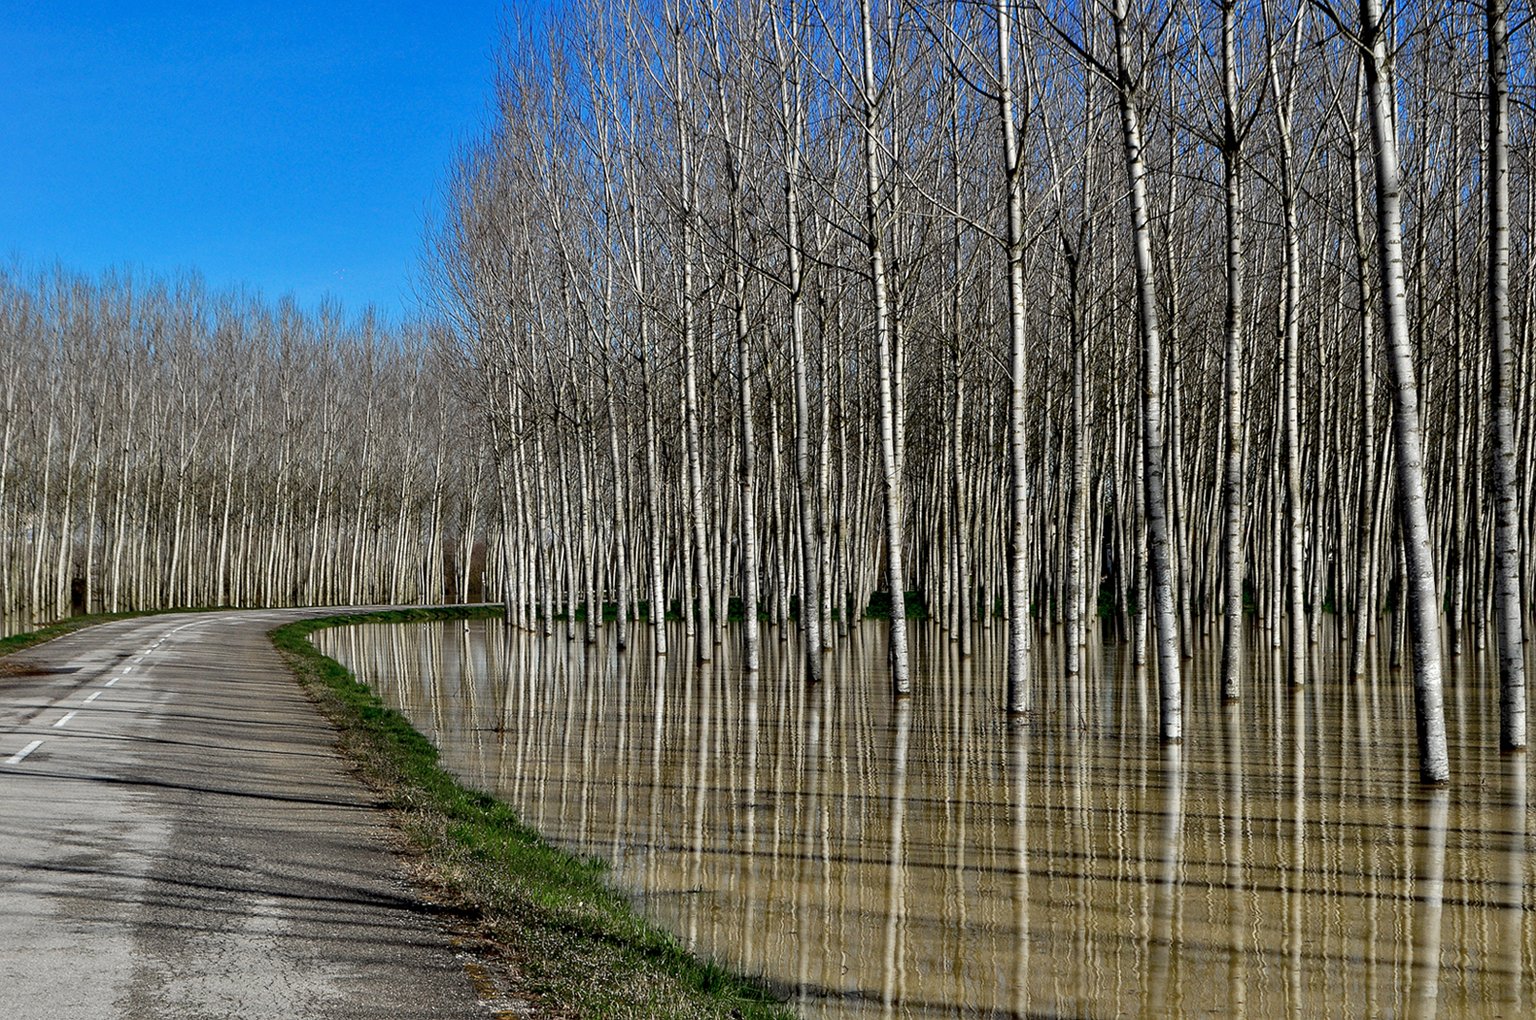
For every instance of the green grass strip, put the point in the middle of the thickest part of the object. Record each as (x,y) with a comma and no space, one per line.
(577,941)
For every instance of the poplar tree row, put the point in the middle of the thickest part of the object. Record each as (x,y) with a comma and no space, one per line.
(1157,312)
(166,446)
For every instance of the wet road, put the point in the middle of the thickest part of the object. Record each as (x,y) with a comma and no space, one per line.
(179,839)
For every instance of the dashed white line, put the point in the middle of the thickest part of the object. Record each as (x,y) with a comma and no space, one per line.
(64,720)
(93,697)
(16,758)
(114,680)
(127,668)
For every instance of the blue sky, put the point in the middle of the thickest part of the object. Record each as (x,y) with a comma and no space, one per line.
(284,146)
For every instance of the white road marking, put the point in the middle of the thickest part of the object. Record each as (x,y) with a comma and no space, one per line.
(113,681)
(127,668)
(64,720)
(93,697)
(15,759)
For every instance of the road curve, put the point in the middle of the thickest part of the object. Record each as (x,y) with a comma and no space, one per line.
(179,839)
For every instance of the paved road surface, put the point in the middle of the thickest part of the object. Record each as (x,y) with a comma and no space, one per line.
(179,840)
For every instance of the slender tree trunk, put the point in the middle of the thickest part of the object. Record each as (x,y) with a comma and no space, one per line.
(1159,550)
(1295,550)
(1423,606)
(1077,593)
(1019,694)
(1232,369)
(749,548)
(1282,92)
(792,121)
(1365,517)
(1510,612)
(658,600)
(890,408)
(695,488)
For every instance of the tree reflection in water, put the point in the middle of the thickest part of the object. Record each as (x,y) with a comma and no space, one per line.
(924,856)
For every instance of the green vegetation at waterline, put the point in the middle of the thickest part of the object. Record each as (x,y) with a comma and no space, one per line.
(578,941)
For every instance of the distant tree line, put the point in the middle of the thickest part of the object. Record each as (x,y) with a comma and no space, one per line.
(1156,311)
(164,446)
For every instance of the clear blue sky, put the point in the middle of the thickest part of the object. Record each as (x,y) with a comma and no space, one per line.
(286,146)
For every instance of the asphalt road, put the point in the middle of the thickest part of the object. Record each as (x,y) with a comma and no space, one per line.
(178,839)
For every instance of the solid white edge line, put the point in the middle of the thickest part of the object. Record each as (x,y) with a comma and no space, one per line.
(16,758)
(64,720)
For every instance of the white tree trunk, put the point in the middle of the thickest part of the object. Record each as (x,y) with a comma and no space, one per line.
(692,438)
(791,121)
(1159,550)
(1019,694)
(1232,370)
(1510,613)
(890,409)
(1423,605)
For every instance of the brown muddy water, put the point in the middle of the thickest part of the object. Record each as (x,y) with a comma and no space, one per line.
(927,857)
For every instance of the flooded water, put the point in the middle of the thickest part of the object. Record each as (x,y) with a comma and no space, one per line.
(929,858)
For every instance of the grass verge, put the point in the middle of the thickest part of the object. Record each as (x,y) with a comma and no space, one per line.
(578,943)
